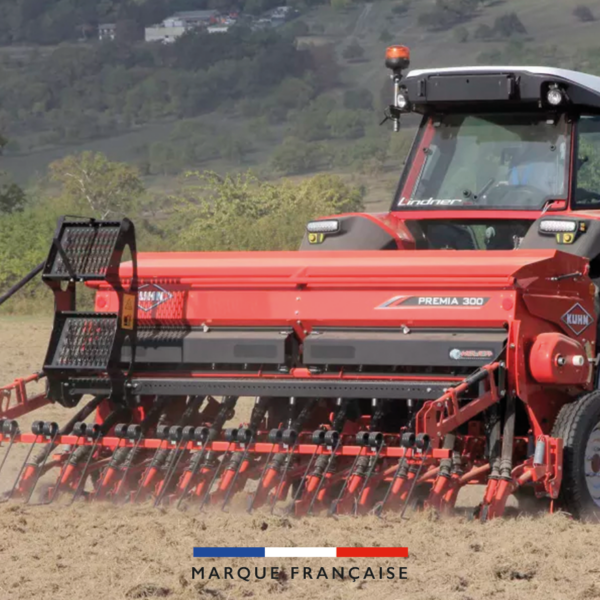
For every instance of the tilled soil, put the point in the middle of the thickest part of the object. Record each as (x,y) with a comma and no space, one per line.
(103,551)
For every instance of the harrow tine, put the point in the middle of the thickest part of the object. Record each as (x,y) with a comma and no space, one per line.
(375,440)
(422,441)
(249,435)
(23,464)
(318,438)
(92,432)
(407,441)
(333,435)
(51,431)
(10,429)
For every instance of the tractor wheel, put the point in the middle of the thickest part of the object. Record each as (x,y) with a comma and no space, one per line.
(578,424)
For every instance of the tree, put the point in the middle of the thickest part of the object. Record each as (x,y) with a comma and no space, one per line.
(244,213)
(297,156)
(508,25)
(385,36)
(353,51)
(92,182)
(358,99)
(461,34)
(583,13)
(12,197)
(483,32)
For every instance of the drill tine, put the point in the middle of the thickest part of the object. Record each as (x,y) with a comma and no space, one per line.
(237,472)
(322,479)
(139,489)
(176,457)
(103,475)
(127,467)
(335,502)
(215,476)
(303,480)
(62,472)
(23,464)
(416,478)
(367,478)
(40,468)
(262,475)
(81,483)
(401,463)
(284,471)
(196,468)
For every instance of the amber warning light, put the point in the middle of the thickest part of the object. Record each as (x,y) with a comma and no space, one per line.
(397,57)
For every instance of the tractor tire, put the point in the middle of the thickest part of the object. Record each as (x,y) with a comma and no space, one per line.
(578,424)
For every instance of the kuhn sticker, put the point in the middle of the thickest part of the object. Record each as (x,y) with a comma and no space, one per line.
(431,301)
(458,354)
(151,295)
(577,319)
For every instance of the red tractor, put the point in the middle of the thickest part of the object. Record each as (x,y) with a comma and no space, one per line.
(396,357)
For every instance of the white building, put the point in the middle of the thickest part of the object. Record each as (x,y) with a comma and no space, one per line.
(107,31)
(176,25)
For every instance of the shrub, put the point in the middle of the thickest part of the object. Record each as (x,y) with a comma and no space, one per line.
(353,51)
(461,35)
(583,13)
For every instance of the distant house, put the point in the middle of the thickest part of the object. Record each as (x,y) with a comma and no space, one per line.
(107,31)
(176,25)
(217,28)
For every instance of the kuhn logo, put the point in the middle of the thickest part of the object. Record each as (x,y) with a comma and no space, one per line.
(151,295)
(577,319)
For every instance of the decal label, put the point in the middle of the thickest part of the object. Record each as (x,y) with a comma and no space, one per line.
(565,238)
(404,202)
(316,238)
(577,319)
(427,301)
(151,295)
(128,313)
(458,354)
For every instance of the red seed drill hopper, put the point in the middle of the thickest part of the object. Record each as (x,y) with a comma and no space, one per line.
(393,360)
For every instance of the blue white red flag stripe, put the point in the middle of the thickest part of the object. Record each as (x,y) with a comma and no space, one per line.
(291,552)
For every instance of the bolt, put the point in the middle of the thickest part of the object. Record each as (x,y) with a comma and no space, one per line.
(512,346)
(297,313)
(439,405)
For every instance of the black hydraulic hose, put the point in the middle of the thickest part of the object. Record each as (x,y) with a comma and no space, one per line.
(17,286)
(508,438)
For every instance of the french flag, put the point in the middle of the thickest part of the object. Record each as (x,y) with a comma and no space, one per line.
(290,552)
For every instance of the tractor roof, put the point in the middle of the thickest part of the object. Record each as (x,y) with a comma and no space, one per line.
(450,88)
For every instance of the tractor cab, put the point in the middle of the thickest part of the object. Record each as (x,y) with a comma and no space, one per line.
(498,149)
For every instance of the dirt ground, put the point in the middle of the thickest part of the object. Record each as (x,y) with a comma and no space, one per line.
(120,553)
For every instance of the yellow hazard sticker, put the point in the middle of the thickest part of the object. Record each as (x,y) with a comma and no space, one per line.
(128,313)
(565,238)
(316,238)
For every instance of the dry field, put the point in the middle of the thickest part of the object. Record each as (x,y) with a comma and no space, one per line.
(101,551)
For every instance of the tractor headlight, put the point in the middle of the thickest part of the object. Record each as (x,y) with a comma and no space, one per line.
(330,226)
(401,102)
(554,96)
(557,226)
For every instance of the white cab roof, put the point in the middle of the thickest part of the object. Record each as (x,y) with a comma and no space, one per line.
(590,82)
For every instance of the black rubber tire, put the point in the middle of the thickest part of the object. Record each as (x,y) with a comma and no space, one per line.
(574,425)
